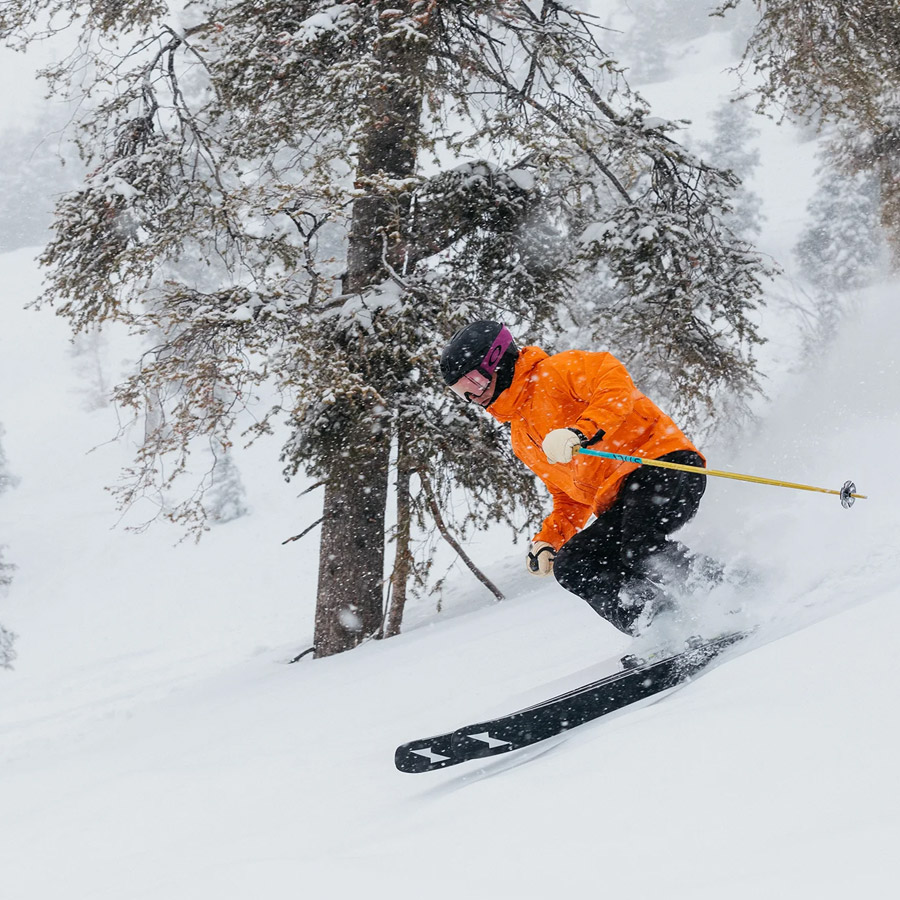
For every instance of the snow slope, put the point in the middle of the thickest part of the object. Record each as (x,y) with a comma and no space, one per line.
(155,746)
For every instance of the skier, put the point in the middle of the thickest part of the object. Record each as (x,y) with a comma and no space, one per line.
(621,562)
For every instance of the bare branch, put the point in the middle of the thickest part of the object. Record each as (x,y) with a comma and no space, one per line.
(448,537)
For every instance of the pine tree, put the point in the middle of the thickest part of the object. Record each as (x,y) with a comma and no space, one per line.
(358,180)
(7,652)
(6,480)
(7,638)
(836,63)
(651,32)
(227,498)
(734,147)
(842,247)
(33,172)
(87,351)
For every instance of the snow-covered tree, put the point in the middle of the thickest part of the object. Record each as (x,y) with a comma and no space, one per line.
(649,35)
(871,160)
(7,638)
(6,479)
(31,177)
(226,499)
(842,247)
(837,62)
(734,147)
(87,352)
(359,179)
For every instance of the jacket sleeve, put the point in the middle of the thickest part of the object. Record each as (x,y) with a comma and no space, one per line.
(567,519)
(603,383)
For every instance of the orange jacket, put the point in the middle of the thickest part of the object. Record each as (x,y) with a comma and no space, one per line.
(590,392)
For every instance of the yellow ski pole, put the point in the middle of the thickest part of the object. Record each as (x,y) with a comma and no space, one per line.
(847,493)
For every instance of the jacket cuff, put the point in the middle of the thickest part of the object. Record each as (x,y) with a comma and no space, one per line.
(553,534)
(589,432)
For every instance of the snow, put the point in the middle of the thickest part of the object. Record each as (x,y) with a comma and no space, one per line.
(597,231)
(523,179)
(336,17)
(155,745)
(649,123)
(241,313)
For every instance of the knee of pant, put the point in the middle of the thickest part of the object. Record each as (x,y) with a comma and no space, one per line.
(574,571)
(588,581)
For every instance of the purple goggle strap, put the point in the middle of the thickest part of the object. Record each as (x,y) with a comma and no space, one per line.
(495,352)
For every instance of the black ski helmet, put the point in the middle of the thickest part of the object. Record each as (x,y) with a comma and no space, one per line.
(467,352)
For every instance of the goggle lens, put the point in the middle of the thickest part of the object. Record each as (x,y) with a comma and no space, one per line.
(474,384)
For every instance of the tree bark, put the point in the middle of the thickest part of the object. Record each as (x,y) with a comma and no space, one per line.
(349,605)
(351,556)
(402,555)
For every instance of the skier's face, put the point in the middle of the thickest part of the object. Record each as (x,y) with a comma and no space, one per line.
(475,387)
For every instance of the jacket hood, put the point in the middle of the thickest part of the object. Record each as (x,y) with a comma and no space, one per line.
(505,406)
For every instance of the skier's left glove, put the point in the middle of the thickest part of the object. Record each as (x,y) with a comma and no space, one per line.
(540,558)
(559,446)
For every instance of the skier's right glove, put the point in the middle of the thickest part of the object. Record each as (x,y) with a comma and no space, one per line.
(559,446)
(540,558)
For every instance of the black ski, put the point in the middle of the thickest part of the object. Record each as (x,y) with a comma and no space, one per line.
(559,714)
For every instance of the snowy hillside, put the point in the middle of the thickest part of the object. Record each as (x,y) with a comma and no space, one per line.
(154,745)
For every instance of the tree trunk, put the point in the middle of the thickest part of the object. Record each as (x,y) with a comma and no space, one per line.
(889,182)
(349,606)
(351,558)
(402,556)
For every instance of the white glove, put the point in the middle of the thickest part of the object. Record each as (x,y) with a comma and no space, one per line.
(559,446)
(540,559)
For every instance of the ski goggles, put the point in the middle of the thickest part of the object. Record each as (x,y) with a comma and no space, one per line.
(473,384)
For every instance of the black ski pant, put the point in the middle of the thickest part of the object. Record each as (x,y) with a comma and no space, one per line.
(618,550)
